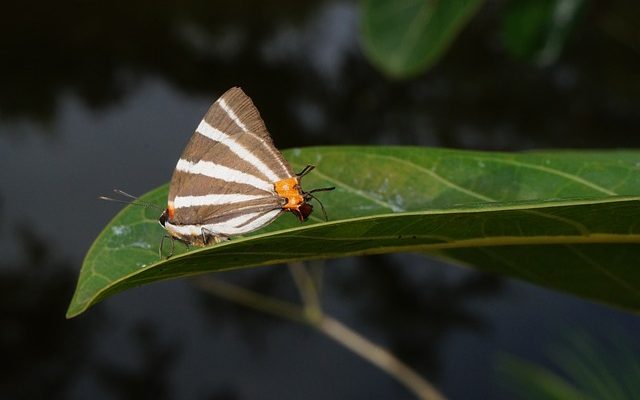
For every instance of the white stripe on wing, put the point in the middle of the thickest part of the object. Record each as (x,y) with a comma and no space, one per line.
(227,228)
(231,114)
(213,170)
(212,200)
(216,135)
(276,157)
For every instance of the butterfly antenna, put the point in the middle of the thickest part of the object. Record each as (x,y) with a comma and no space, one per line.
(134,200)
(125,194)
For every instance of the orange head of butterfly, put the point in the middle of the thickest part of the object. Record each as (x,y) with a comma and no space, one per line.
(297,200)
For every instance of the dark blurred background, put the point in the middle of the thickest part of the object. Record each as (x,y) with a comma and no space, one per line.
(95,96)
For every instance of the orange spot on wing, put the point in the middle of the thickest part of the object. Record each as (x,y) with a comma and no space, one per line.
(170,210)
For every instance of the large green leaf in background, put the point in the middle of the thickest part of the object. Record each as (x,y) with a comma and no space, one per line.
(564,220)
(403,38)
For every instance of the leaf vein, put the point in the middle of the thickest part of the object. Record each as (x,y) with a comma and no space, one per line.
(552,171)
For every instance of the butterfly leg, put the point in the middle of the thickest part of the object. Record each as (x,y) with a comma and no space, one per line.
(162,243)
(207,235)
(220,238)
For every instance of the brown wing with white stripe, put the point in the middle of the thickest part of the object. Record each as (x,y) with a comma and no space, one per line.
(227,171)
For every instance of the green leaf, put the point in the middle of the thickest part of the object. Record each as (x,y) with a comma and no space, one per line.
(537,30)
(584,367)
(529,381)
(406,38)
(565,220)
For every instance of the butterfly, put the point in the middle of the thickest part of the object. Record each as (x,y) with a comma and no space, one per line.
(231,179)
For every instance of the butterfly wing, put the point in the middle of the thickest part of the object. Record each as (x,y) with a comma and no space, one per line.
(226,173)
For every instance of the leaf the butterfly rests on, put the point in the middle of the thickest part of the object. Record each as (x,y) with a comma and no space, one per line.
(230,178)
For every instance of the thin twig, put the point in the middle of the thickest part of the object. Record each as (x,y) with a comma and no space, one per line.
(307,289)
(331,327)
(251,299)
(379,357)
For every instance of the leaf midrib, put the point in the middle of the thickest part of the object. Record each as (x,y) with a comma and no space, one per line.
(596,238)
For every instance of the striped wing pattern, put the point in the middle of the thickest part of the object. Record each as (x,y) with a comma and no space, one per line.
(224,180)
